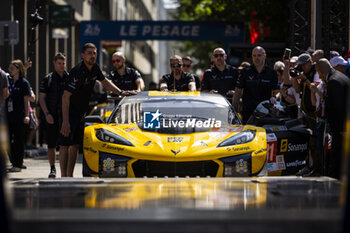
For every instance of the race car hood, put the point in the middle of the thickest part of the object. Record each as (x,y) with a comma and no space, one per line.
(174,146)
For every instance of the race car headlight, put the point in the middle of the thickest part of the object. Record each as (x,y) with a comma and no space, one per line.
(241,138)
(107,136)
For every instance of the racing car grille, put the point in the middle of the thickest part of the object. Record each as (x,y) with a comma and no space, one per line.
(151,168)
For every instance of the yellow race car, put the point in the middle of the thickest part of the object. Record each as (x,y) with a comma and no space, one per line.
(105,109)
(169,134)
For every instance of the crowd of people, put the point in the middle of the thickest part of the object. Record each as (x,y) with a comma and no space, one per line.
(313,87)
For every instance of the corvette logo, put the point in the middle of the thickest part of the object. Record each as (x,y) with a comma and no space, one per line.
(175,152)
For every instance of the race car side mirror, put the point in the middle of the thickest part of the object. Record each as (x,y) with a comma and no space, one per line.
(93,119)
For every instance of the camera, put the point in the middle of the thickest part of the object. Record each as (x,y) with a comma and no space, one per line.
(296,71)
(36,19)
(287,53)
(299,69)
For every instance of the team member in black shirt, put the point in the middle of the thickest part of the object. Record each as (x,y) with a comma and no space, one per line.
(257,82)
(17,105)
(75,103)
(186,67)
(124,77)
(50,99)
(221,78)
(183,81)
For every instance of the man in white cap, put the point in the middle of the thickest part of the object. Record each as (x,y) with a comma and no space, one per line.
(341,65)
(293,62)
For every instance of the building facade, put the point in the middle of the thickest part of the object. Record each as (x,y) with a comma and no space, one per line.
(39,41)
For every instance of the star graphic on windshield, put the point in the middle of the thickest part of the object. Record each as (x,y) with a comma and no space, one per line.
(156,115)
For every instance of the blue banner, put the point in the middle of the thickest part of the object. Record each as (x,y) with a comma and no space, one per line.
(232,32)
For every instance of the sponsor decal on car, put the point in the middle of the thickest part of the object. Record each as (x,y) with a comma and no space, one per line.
(190,123)
(278,165)
(271,137)
(271,148)
(151,120)
(175,139)
(297,147)
(134,128)
(155,120)
(171,93)
(90,149)
(296,163)
(108,165)
(284,145)
(260,151)
(237,149)
(290,147)
(112,147)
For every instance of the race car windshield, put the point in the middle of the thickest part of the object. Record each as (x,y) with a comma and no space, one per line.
(176,116)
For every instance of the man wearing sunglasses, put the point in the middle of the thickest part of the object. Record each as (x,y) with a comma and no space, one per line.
(186,67)
(75,103)
(177,80)
(256,84)
(220,78)
(124,77)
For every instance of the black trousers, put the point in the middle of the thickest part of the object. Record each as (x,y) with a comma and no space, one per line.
(17,140)
(310,121)
(334,167)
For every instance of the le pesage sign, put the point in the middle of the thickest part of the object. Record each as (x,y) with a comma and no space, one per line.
(162,30)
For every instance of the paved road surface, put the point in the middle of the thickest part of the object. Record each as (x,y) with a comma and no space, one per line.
(93,205)
(38,167)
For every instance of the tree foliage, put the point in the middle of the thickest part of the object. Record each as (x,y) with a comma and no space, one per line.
(272,13)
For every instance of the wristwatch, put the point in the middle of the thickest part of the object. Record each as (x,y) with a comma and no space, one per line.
(46,113)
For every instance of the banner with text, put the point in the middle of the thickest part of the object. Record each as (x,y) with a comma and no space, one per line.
(232,32)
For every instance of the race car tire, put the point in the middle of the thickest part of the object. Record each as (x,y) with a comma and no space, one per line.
(86,169)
